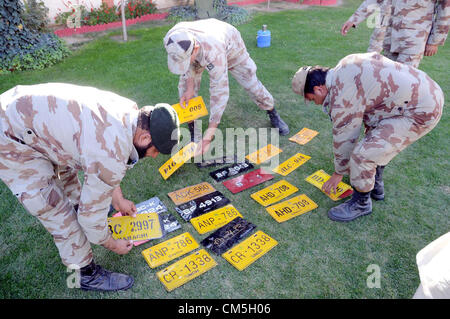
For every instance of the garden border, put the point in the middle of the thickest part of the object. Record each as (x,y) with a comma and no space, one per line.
(161,16)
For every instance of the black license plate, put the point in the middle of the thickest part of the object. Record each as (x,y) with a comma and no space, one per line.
(202,205)
(229,171)
(229,235)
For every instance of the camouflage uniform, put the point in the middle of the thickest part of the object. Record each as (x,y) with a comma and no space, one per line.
(379,34)
(416,23)
(397,103)
(221,50)
(49,132)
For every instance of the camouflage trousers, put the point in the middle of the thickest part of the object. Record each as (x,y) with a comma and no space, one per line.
(376,40)
(383,142)
(49,193)
(408,59)
(245,75)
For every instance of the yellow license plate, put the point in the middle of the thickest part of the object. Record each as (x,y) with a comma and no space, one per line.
(186,194)
(196,108)
(248,251)
(304,136)
(273,193)
(186,269)
(176,161)
(291,164)
(263,154)
(215,219)
(291,208)
(169,250)
(320,177)
(141,227)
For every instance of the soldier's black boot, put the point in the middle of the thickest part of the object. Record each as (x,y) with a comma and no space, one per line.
(191,130)
(94,277)
(277,122)
(377,192)
(194,138)
(359,205)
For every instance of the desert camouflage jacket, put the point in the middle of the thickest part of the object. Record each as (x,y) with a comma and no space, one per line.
(367,88)
(69,126)
(221,48)
(416,23)
(369,7)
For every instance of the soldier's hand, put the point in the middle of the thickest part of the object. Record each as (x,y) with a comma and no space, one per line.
(346,26)
(184,100)
(430,50)
(119,246)
(127,207)
(330,185)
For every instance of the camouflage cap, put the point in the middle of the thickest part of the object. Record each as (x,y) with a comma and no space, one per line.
(298,82)
(179,45)
(164,127)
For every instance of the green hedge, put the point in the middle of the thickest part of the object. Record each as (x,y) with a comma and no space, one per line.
(24,49)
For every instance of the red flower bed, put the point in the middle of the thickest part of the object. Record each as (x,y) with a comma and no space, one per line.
(102,27)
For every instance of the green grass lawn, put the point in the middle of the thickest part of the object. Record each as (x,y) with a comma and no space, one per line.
(315,257)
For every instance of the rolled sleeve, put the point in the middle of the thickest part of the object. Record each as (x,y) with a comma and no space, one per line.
(441,24)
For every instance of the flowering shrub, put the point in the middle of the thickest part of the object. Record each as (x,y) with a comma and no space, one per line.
(137,8)
(105,14)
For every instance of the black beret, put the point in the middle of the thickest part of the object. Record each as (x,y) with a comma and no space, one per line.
(163,122)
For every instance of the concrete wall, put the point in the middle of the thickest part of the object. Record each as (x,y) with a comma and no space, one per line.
(57,6)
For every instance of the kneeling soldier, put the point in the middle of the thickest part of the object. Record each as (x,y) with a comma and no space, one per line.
(49,132)
(397,103)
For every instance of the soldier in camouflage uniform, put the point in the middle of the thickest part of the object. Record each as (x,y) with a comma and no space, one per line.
(382,9)
(397,104)
(218,47)
(49,132)
(418,27)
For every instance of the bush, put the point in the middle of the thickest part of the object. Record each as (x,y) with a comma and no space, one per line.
(35,15)
(24,49)
(230,14)
(182,13)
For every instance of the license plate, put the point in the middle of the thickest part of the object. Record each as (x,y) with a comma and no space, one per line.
(263,154)
(273,193)
(142,227)
(251,249)
(232,159)
(291,208)
(202,205)
(229,235)
(196,108)
(215,219)
(186,269)
(186,194)
(169,223)
(224,173)
(176,161)
(152,205)
(169,250)
(320,177)
(243,182)
(304,136)
(291,164)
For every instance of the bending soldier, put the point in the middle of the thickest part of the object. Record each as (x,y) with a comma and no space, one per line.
(49,132)
(397,104)
(217,47)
